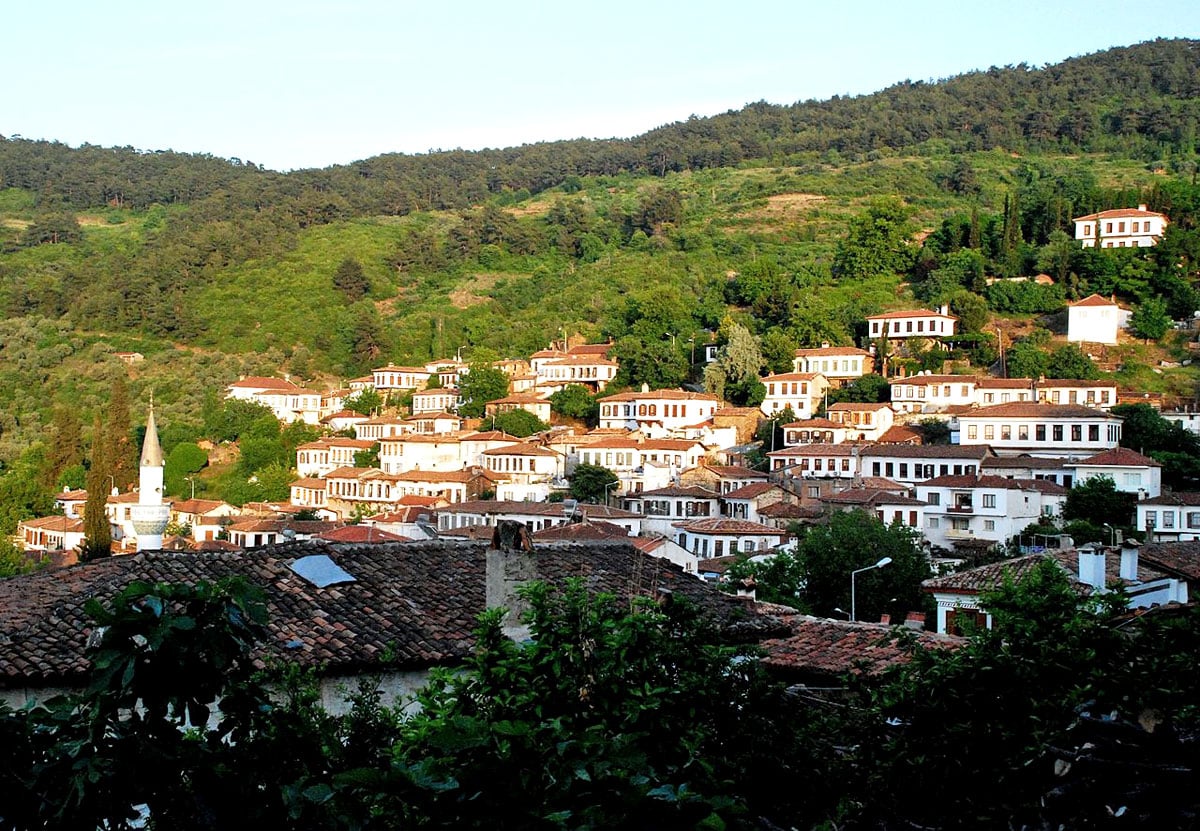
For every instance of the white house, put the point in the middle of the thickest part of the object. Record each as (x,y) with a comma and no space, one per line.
(1099,394)
(973,507)
(424,451)
(861,421)
(839,364)
(392,378)
(1130,471)
(536,516)
(912,323)
(989,391)
(1121,228)
(1094,319)
(1090,569)
(206,517)
(657,412)
(887,506)
(801,391)
(50,533)
(716,537)
(662,508)
(317,458)
(837,461)
(929,393)
(911,464)
(816,431)
(437,400)
(1170,517)
(1052,430)
(286,400)
(527,468)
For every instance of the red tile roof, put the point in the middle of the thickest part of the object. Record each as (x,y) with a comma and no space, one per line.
(1093,300)
(833,648)
(909,313)
(1117,457)
(830,351)
(1120,213)
(360,533)
(718,525)
(417,603)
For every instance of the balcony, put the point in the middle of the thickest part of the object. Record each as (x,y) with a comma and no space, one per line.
(960,509)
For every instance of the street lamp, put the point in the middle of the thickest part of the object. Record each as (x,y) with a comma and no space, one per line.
(191,479)
(855,573)
(1112,535)
(670,335)
(606,487)
(692,341)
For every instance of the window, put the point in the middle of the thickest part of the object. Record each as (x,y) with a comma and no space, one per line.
(933,499)
(933,522)
(989,525)
(989,432)
(1023,432)
(1076,432)
(972,431)
(1193,519)
(1093,432)
(748,545)
(989,500)
(1056,432)
(1006,432)
(1151,519)
(814,491)
(1168,519)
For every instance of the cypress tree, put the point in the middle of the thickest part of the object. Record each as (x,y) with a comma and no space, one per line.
(97,535)
(119,452)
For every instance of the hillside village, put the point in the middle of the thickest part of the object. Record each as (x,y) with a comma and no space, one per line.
(969,459)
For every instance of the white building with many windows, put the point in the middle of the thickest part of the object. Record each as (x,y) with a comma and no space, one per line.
(1121,228)
(1170,517)
(1049,430)
(839,364)
(801,391)
(657,412)
(990,508)
(913,323)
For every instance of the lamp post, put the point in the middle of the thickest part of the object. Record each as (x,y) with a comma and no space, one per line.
(192,480)
(854,574)
(1112,535)
(606,487)
(670,335)
(692,341)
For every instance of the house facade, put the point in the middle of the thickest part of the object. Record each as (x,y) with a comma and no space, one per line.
(980,508)
(839,364)
(801,391)
(1050,430)
(1094,319)
(914,323)
(1121,228)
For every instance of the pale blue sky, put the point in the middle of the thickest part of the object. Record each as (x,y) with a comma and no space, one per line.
(306,83)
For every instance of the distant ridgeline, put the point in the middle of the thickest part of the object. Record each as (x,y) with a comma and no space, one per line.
(1139,101)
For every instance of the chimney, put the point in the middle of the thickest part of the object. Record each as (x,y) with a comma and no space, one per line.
(1091,566)
(510,564)
(824,344)
(747,588)
(1129,560)
(915,620)
(1141,207)
(943,309)
(885,619)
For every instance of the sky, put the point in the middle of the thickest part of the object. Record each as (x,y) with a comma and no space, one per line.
(304,83)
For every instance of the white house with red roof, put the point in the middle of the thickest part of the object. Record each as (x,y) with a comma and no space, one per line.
(206,517)
(839,364)
(815,431)
(528,471)
(413,451)
(1121,228)
(820,461)
(802,391)
(1099,394)
(989,508)
(536,405)
(434,423)
(1048,430)
(1130,471)
(286,400)
(657,413)
(912,323)
(867,422)
(1170,517)
(929,393)
(662,508)
(71,502)
(316,458)
(392,378)
(50,533)
(437,400)
(343,419)
(1095,319)
(715,537)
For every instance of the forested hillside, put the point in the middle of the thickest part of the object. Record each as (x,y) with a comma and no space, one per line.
(791,221)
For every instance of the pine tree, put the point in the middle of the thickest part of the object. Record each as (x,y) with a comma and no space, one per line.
(350,280)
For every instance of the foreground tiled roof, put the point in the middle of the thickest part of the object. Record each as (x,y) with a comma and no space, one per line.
(991,576)
(735,472)
(833,648)
(751,491)
(1179,499)
(1178,558)
(414,602)
(786,510)
(360,533)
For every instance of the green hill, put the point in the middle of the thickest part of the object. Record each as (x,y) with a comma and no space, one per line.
(770,215)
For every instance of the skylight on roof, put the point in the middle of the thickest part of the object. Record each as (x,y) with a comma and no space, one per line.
(321,571)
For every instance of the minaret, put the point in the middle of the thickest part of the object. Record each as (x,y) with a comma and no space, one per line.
(150,515)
